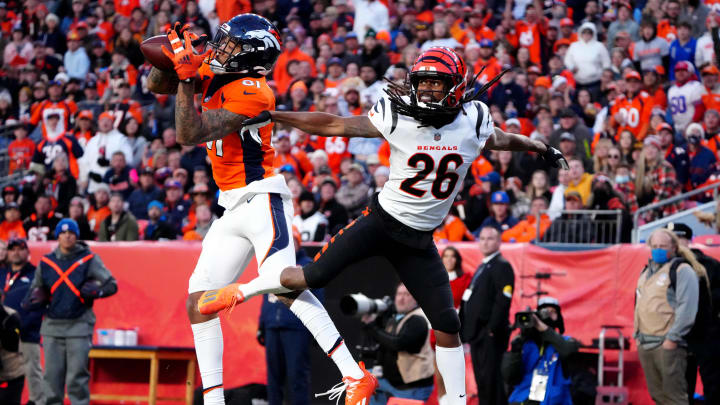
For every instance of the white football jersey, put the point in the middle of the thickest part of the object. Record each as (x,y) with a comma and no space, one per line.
(427,164)
(682,100)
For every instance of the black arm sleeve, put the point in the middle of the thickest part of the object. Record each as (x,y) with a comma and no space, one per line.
(563,347)
(10,333)
(410,338)
(500,314)
(320,232)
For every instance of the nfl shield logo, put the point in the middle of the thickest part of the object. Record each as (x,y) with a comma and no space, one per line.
(437,137)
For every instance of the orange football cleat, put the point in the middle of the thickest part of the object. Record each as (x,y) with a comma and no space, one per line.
(214,301)
(357,392)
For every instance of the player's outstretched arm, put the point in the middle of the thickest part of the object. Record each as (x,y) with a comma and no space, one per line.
(502,140)
(193,128)
(318,123)
(162,82)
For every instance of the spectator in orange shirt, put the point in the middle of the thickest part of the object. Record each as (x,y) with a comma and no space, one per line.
(291,52)
(488,61)
(285,156)
(453,229)
(567,30)
(527,229)
(99,210)
(12,226)
(20,151)
(204,219)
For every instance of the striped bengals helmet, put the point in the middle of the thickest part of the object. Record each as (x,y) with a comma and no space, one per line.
(440,63)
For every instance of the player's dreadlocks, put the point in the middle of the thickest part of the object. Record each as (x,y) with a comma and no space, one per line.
(435,115)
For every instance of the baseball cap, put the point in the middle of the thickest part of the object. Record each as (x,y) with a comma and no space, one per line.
(17,242)
(710,70)
(567,22)
(500,197)
(653,140)
(543,81)
(155,204)
(492,177)
(339,40)
(534,69)
(173,184)
(102,187)
(561,42)
(67,225)
(513,121)
(12,205)
(334,61)
(683,65)
(147,170)
(299,85)
(678,228)
(287,168)
(350,35)
(665,126)
(567,136)
(9,190)
(486,43)
(633,75)
(567,113)
(85,114)
(358,167)
(570,195)
(106,114)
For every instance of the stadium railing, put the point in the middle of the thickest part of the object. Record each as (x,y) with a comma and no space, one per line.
(592,228)
(638,228)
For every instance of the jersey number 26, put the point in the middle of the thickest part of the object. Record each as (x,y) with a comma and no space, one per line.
(442,174)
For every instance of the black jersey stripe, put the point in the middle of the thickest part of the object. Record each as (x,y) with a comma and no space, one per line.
(480,118)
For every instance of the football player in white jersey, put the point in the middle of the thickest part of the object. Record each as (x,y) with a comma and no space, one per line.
(435,130)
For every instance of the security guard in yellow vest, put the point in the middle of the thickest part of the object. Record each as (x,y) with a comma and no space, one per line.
(405,353)
(665,309)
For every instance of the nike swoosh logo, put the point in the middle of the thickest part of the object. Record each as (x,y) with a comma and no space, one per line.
(248,94)
(250,199)
(462,396)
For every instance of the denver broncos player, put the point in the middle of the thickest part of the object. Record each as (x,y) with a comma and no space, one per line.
(258,209)
(435,131)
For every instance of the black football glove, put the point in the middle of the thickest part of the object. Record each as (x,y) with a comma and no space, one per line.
(555,158)
(91,289)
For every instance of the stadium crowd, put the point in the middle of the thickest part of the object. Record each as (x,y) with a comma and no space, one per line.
(628,91)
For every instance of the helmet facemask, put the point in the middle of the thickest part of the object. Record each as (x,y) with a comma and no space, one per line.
(222,45)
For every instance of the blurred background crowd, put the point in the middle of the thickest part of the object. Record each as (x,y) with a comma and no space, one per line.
(628,91)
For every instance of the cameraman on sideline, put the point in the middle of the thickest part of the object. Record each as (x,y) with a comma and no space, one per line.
(405,354)
(535,366)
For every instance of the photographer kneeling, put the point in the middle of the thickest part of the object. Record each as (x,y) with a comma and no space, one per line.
(535,366)
(405,353)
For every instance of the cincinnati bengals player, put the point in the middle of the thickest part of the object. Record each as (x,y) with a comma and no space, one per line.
(258,208)
(435,131)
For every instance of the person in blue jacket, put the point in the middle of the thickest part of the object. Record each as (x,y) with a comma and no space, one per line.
(287,344)
(702,159)
(535,366)
(15,279)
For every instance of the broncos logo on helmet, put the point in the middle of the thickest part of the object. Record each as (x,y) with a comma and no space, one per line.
(248,44)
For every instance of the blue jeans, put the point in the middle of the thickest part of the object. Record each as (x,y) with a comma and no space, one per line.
(385,391)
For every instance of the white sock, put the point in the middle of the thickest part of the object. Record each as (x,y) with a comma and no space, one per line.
(265,283)
(316,319)
(209,350)
(451,364)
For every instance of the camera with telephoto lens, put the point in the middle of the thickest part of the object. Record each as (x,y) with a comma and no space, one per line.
(359,304)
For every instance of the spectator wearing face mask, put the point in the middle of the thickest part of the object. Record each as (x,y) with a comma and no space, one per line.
(702,160)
